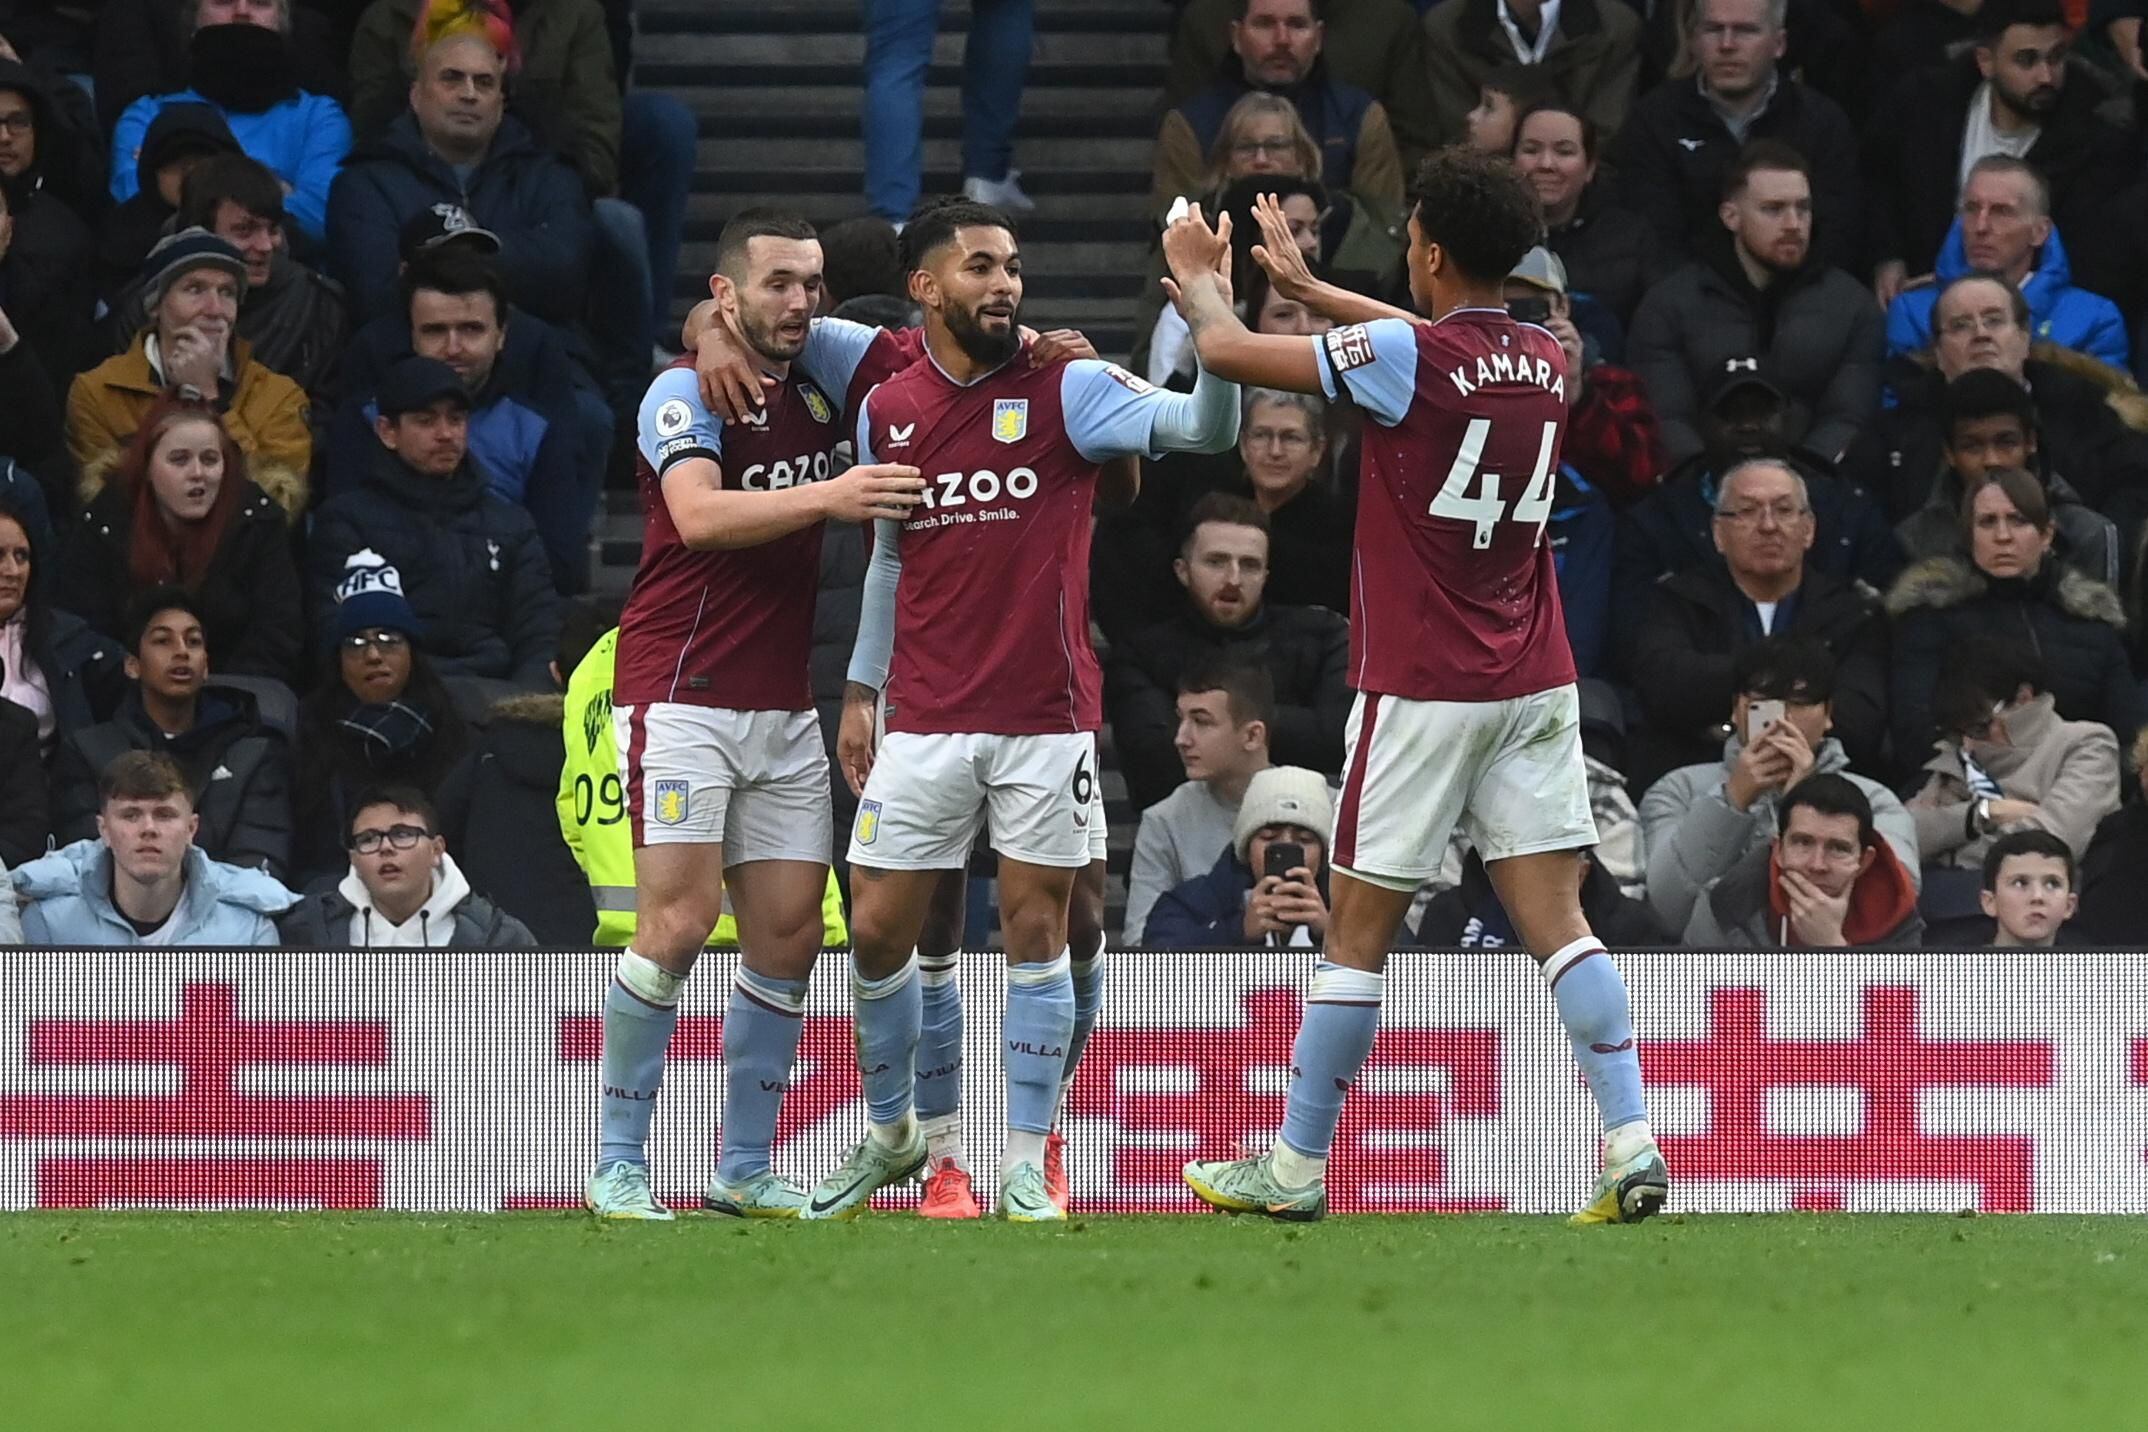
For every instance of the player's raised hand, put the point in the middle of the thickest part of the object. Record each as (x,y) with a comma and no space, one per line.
(1278,253)
(1191,247)
(1061,343)
(854,735)
(732,384)
(873,490)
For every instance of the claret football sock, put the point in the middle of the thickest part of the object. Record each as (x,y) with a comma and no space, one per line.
(1592,1005)
(1342,1014)
(889,1014)
(641,1007)
(761,1026)
(939,1048)
(1039,1027)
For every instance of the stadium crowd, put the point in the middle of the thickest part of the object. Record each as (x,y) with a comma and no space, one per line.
(322,329)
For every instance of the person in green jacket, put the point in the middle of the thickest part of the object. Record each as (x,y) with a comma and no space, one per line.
(592,813)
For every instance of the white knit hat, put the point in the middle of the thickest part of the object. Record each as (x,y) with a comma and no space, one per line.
(1284,795)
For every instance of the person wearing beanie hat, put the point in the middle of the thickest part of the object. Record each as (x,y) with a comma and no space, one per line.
(370,599)
(1270,889)
(191,282)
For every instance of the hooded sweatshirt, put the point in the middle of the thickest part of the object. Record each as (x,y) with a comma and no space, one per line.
(433,925)
(2058,312)
(1747,909)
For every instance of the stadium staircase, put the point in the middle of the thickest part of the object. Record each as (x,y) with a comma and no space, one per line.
(778,86)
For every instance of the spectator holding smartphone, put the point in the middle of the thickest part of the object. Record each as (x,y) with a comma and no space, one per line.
(1269,890)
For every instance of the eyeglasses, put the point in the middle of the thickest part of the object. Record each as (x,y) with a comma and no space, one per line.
(400,837)
(1964,324)
(1277,148)
(378,640)
(1784,514)
(22,123)
(1285,438)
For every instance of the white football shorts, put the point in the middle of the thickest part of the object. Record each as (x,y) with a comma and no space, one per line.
(929,795)
(1510,773)
(756,781)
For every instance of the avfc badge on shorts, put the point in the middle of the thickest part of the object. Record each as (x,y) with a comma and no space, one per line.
(670,800)
(816,404)
(868,821)
(1010,420)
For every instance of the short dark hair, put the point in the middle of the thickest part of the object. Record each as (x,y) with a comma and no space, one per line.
(405,798)
(1980,674)
(1225,507)
(1771,154)
(1318,7)
(757,223)
(935,221)
(1248,691)
(862,256)
(1785,668)
(1830,795)
(235,178)
(581,627)
(2016,299)
(1590,134)
(1998,16)
(1983,393)
(454,269)
(1478,209)
(142,776)
(1525,85)
(2027,842)
(145,608)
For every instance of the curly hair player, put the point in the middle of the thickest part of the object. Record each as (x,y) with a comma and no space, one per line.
(1466,708)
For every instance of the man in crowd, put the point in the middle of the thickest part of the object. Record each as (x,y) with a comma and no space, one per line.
(1766,292)
(1584,50)
(2005,228)
(1826,881)
(2029,890)
(1982,321)
(1686,135)
(1701,618)
(190,286)
(1223,566)
(45,245)
(236,756)
(526,436)
(1223,715)
(142,881)
(1275,47)
(457,145)
(294,318)
(1698,822)
(472,565)
(2014,94)
(403,888)
(1268,887)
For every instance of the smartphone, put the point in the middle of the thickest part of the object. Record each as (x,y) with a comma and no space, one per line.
(1529,310)
(1283,857)
(1759,716)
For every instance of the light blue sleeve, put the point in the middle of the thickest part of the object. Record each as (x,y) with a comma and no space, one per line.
(834,348)
(1374,364)
(863,446)
(1110,413)
(674,425)
(875,646)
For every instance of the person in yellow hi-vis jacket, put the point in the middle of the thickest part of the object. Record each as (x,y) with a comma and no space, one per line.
(592,813)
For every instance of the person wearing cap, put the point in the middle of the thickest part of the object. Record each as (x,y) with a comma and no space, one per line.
(190,286)
(1700,820)
(529,428)
(294,317)
(1269,889)
(241,62)
(1702,617)
(456,144)
(180,138)
(475,569)
(380,715)
(1758,287)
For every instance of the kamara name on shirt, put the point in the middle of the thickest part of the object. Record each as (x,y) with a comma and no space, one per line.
(1509,368)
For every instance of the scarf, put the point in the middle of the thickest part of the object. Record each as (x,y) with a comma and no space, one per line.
(386,730)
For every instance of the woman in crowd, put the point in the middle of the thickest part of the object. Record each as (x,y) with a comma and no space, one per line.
(180,510)
(382,717)
(51,664)
(1610,256)
(2010,585)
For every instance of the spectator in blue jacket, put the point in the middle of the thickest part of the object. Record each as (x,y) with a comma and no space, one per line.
(1241,905)
(458,146)
(244,67)
(2005,228)
(143,882)
(527,433)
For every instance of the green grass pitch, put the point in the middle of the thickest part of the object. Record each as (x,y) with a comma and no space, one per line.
(136,1321)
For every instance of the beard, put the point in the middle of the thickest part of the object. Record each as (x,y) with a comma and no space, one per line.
(762,338)
(2036,104)
(982,345)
